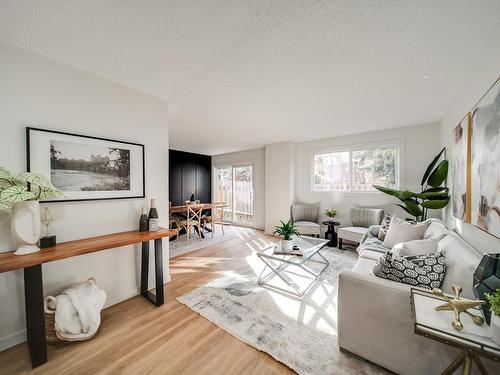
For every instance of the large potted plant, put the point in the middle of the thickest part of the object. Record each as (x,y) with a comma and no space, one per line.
(432,194)
(22,193)
(286,231)
(494,301)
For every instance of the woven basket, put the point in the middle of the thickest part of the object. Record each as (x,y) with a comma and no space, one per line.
(49,306)
(50,319)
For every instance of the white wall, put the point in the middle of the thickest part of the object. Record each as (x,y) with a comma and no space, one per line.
(482,75)
(280,182)
(256,158)
(419,144)
(39,92)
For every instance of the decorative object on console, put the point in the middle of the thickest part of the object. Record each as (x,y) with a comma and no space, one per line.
(403,231)
(494,301)
(330,213)
(432,194)
(85,167)
(425,272)
(153,221)
(143,220)
(460,169)
(458,306)
(286,231)
(485,162)
(487,279)
(46,220)
(22,192)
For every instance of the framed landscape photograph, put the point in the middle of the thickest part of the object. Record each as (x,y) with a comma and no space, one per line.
(485,181)
(84,167)
(460,171)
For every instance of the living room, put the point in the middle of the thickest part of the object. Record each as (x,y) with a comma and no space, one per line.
(249,187)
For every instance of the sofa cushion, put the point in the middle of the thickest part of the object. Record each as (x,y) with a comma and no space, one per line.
(364,266)
(307,227)
(461,261)
(426,272)
(436,231)
(386,221)
(403,231)
(354,234)
(415,248)
(370,254)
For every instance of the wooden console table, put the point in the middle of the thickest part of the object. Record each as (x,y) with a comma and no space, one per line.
(33,283)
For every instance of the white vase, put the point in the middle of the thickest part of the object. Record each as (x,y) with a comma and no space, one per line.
(25,226)
(495,328)
(287,245)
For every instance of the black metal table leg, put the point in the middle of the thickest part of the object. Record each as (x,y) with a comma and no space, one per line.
(35,320)
(158,298)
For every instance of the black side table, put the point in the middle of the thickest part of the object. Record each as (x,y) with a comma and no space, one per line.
(330,234)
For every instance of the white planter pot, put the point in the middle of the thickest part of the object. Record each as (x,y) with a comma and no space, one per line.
(287,245)
(25,226)
(495,328)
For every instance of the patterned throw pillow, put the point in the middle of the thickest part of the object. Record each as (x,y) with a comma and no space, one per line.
(386,221)
(425,271)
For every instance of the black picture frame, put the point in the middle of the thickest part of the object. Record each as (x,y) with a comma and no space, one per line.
(29,162)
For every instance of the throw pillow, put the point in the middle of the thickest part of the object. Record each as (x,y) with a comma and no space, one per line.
(403,231)
(385,227)
(415,248)
(424,272)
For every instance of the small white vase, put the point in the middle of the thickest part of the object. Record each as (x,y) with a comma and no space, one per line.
(495,328)
(25,226)
(287,245)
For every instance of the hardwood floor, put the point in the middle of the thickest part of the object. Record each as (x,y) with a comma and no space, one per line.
(139,338)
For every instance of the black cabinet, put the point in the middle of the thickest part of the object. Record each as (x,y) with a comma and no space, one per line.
(189,173)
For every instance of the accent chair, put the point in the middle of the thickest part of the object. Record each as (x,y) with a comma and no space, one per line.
(305,218)
(362,219)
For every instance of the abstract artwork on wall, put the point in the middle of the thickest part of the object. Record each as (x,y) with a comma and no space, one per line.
(461,170)
(485,179)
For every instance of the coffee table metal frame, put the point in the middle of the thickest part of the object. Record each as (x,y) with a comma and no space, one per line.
(278,263)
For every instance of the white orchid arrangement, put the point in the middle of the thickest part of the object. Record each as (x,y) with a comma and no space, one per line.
(25,186)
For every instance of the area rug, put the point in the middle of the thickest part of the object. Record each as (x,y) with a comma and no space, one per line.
(299,332)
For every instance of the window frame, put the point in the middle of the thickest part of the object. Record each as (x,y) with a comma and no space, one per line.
(398,144)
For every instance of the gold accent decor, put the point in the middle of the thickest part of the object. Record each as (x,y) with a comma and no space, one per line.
(458,306)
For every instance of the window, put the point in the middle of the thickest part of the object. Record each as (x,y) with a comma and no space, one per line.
(357,169)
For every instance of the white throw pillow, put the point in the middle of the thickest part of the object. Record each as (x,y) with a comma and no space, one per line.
(415,248)
(402,231)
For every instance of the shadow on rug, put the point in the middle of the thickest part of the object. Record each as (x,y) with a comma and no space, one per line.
(299,332)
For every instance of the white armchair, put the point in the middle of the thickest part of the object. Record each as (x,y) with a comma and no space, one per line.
(305,218)
(362,219)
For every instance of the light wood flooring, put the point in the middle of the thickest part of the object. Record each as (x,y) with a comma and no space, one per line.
(139,338)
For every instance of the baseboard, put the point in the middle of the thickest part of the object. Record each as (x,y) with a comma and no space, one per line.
(12,340)
(20,336)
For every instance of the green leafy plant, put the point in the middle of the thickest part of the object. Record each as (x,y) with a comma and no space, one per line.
(432,195)
(330,212)
(16,188)
(286,230)
(494,301)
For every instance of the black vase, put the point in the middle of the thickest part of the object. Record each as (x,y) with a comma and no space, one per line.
(153,213)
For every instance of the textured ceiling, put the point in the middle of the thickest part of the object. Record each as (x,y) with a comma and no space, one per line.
(241,74)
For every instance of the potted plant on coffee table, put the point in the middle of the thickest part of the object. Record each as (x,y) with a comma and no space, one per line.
(286,231)
(494,301)
(330,213)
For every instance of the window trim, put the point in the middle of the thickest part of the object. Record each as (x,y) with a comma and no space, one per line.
(398,144)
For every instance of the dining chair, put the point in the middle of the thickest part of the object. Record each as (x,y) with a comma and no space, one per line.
(217,217)
(193,219)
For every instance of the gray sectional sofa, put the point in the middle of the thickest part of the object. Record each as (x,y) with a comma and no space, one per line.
(375,320)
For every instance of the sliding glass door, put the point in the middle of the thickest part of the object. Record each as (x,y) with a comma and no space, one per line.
(234,185)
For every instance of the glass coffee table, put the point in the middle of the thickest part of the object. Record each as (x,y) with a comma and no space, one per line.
(278,265)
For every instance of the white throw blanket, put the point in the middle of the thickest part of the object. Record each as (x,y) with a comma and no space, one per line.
(78,310)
